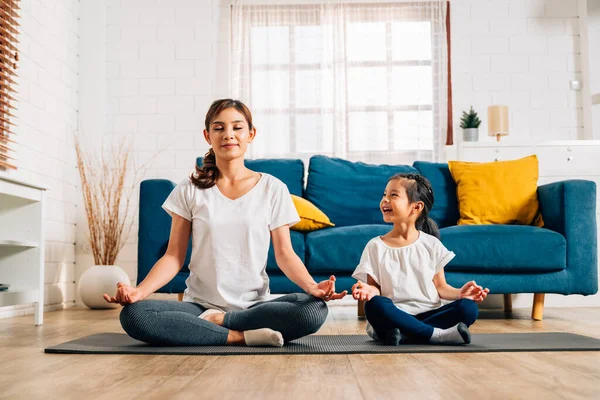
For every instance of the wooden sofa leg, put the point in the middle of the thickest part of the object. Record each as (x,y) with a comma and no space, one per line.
(537,311)
(508,303)
(180,296)
(361,308)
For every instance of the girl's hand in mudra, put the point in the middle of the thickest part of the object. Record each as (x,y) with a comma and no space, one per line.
(326,290)
(472,291)
(363,291)
(126,294)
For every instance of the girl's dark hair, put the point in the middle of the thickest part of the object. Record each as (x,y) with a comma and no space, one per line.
(418,188)
(206,176)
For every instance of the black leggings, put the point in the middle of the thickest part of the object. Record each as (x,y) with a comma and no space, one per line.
(176,323)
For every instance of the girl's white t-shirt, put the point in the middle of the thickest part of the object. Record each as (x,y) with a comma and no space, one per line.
(230,240)
(405,274)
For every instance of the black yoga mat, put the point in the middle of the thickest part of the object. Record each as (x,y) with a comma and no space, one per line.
(117,343)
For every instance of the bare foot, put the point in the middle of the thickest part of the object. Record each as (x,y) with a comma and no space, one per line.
(216,318)
(236,338)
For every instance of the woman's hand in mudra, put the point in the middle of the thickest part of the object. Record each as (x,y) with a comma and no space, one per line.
(126,294)
(326,290)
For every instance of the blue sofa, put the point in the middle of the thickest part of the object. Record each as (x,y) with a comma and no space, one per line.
(560,258)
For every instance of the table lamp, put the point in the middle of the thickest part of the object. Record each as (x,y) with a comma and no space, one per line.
(498,121)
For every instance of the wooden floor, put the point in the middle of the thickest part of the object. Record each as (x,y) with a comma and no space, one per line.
(26,372)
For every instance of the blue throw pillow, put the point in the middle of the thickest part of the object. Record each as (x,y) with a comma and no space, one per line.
(349,192)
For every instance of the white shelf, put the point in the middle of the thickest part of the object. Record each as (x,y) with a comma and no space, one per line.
(23,182)
(18,243)
(22,244)
(25,194)
(13,297)
(526,143)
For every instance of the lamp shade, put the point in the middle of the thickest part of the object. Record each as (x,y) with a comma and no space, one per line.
(498,121)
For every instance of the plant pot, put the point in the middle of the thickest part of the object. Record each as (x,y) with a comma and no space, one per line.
(471,135)
(96,281)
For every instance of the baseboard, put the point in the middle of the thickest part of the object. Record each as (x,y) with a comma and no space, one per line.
(520,300)
(525,300)
(18,311)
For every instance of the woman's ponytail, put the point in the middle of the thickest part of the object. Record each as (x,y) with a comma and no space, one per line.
(206,176)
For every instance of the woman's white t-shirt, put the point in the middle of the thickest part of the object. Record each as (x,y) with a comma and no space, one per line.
(405,274)
(230,240)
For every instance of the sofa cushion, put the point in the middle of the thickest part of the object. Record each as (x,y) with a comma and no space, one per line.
(289,171)
(299,248)
(349,192)
(504,248)
(281,284)
(334,250)
(445,205)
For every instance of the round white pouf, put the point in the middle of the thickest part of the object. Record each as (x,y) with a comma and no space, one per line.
(100,279)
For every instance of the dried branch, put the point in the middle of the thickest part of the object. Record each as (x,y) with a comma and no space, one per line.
(107,197)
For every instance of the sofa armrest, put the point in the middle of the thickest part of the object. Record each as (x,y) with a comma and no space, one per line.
(154,230)
(569,208)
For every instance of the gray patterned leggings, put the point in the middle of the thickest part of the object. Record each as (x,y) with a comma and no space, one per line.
(176,323)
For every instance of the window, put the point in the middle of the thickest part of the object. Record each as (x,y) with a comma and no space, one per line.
(8,64)
(351,81)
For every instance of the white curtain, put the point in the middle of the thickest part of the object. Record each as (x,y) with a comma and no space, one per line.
(361,81)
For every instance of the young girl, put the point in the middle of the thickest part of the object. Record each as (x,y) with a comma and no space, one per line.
(232,214)
(401,274)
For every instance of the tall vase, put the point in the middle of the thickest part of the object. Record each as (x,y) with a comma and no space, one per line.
(96,281)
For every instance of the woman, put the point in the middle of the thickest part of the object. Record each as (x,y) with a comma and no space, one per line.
(232,214)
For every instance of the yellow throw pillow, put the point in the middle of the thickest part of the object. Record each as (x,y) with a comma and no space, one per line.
(311,218)
(501,192)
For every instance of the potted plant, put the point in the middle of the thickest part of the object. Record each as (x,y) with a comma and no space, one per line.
(469,123)
(106,198)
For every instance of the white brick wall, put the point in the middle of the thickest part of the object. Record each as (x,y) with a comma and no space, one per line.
(160,69)
(593,36)
(46,119)
(521,53)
